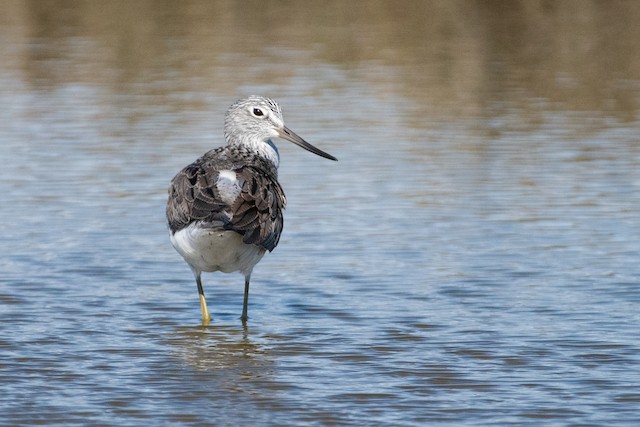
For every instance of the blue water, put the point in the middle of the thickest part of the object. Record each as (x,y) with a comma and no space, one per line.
(469,260)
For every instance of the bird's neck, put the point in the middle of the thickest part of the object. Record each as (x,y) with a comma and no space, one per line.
(271,152)
(252,145)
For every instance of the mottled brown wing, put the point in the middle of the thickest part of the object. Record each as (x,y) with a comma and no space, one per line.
(257,212)
(194,197)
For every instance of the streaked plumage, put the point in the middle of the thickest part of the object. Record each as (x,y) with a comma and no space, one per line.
(225,209)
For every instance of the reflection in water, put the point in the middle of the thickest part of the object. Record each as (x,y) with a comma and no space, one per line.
(221,348)
(472,259)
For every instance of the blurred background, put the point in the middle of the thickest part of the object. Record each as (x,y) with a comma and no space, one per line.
(472,257)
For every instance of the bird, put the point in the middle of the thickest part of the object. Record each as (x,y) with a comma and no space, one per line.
(225,210)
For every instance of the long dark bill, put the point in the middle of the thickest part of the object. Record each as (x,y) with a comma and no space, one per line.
(291,136)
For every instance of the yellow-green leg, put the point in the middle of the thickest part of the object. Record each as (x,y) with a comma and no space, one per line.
(206,317)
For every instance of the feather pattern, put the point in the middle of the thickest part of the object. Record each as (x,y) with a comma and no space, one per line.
(256,213)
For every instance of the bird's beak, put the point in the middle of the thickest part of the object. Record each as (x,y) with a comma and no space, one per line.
(291,136)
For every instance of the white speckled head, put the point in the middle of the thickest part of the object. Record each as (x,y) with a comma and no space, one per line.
(252,122)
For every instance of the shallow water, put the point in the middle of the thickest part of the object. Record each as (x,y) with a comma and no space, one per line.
(471,259)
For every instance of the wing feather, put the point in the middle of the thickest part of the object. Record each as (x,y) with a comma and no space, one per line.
(256,213)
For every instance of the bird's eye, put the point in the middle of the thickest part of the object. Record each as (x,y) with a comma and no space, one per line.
(258,112)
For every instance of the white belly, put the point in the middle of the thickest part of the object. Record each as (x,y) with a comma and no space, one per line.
(215,250)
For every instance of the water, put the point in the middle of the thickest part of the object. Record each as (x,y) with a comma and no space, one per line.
(471,259)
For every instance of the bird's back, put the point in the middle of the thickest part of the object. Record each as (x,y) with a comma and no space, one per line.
(229,188)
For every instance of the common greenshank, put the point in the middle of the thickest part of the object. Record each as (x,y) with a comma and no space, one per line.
(225,209)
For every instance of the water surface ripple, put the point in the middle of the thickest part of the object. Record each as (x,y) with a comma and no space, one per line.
(471,259)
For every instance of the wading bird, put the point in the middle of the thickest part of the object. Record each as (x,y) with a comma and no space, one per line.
(225,209)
